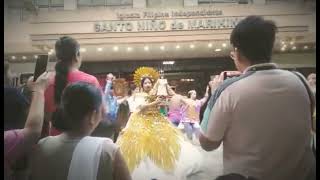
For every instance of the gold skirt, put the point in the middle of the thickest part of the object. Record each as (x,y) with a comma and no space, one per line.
(150,135)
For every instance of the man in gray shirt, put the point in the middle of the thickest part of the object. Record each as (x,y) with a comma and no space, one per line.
(263,116)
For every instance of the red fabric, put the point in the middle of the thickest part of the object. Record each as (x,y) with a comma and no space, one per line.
(74,76)
(102,80)
(54,131)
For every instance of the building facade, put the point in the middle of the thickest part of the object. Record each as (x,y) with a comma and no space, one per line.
(152,30)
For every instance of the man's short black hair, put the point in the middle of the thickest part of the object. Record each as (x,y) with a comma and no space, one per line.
(254,38)
(234,176)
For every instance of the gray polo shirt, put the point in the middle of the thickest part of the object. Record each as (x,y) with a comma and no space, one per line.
(263,119)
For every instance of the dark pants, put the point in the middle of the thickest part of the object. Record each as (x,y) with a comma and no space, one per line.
(312,174)
(104,129)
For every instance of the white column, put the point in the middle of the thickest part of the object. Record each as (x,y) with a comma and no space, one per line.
(188,3)
(70,4)
(139,3)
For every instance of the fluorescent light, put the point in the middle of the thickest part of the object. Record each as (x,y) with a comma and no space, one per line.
(210,45)
(294,48)
(129,49)
(24,57)
(224,45)
(146,48)
(305,47)
(115,48)
(168,62)
(283,49)
(162,48)
(177,46)
(99,49)
(191,46)
(217,50)
(36,56)
(187,80)
(83,50)
(13,57)
(51,51)
(282,42)
(291,43)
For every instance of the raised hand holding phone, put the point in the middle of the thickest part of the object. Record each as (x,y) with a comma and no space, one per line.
(41,83)
(230,74)
(217,80)
(41,66)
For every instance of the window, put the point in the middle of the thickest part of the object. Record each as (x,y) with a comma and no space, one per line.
(13,4)
(57,3)
(42,3)
(49,3)
(119,2)
(164,3)
(216,1)
(98,2)
(84,2)
(104,2)
(91,2)
(280,1)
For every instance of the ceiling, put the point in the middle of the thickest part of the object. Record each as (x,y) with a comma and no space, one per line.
(160,50)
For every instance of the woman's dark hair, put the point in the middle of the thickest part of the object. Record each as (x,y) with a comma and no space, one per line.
(66,49)
(144,79)
(78,99)
(189,93)
(254,37)
(132,87)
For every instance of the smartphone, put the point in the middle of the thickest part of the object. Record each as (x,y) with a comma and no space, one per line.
(227,75)
(41,66)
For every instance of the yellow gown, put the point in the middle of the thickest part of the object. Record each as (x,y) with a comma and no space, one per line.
(149,134)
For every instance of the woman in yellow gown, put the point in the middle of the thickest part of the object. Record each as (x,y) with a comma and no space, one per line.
(152,147)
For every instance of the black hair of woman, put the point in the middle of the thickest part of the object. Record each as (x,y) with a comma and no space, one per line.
(78,99)
(144,79)
(146,87)
(68,52)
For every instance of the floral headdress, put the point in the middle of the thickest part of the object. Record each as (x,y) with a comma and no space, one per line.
(143,72)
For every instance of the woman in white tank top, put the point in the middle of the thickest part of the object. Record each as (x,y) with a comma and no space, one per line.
(74,155)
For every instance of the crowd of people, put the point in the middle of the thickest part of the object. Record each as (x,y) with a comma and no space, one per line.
(264,117)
